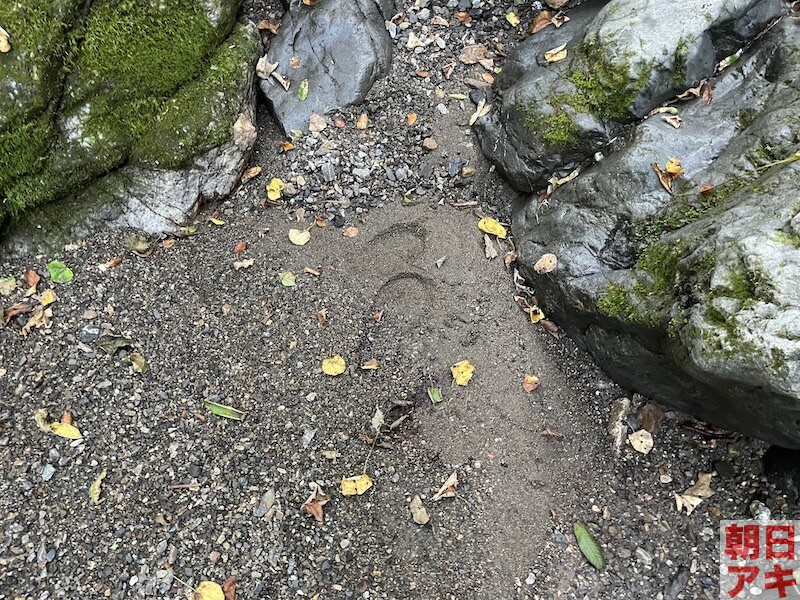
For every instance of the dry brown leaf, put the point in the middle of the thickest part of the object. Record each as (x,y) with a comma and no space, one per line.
(250,173)
(322,315)
(542,20)
(320,222)
(32,278)
(546,263)
(556,54)
(41,318)
(488,247)
(641,440)
(269,25)
(316,123)
(649,417)
(295,62)
(363,121)
(550,327)
(229,588)
(378,316)
(411,119)
(315,501)
(472,54)
(286,145)
(556,3)
(264,68)
(509,258)
(339,122)
(664,177)
(169,243)
(350,232)
(707,189)
(116,261)
(530,382)
(692,497)
(448,489)
(547,432)
(371,364)
(311,271)
(66,418)
(14,310)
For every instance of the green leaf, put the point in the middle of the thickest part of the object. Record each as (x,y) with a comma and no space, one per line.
(458,96)
(435,394)
(59,272)
(287,279)
(224,411)
(589,546)
(302,92)
(377,420)
(7,285)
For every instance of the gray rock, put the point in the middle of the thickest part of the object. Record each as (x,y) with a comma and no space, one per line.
(342,46)
(691,298)
(76,157)
(624,58)
(47,472)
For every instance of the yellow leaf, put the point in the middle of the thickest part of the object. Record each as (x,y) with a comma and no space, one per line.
(216,221)
(513,19)
(48,297)
(356,485)
(363,121)
(490,225)
(334,365)
(66,431)
(556,54)
(94,489)
(462,372)
(299,237)
(5,46)
(208,590)
(275,188)
(673,167)
(530,382)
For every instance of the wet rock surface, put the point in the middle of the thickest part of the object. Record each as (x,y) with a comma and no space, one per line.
(129,116)
(340,47)
(690,296)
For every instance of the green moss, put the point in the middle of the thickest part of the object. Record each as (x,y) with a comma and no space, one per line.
(679,72)
(616,302)
(605,88)
(201,114)
(660,262)
(126,60)
(556,129)
(790,239)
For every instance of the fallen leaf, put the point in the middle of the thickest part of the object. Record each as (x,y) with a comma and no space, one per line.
(649,417)
(556,54)
(287,279)
(663,177)
(286,145)
(377,421)
(472,54)
(138,362)
(350,232)
(462,372)
(556,3)
(480,111)
(371,364)
(63,430)
(588,546)
(311,271)
(295,62)
(339,121)
(14,310)
(111,344)
(240,247)
(536,314)
(5,44)
(66,417)
(322,315)
(316,123)
(264,68)
(285,83)
(243,264)
(513,19)
(275,188)
(223,410)
(335,365)
(39,319)
(356,485)
(530,382)
(216,221)
(642,441)
(251,173)
(302,91)
(550,328)
(114,262)
(363,121)
(490,225)
(169,243)
(32,278)
(707,189)
(546,263)
(229,588)
(418,512)
(692,497)
(448,489)
(673,167)
(319,222)
(94,489)
(7,285)
(299,237)
(674,121)
(378,316)
(547,432)
(314,503)
(208,590)
(542,20)
(59,272)
(509,258)
(269,25)
(411,119)
(435,394)
(488,247)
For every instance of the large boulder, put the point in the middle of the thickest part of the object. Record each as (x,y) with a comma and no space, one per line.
(130,112)
(691,297)
(624,58)
(340,47)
